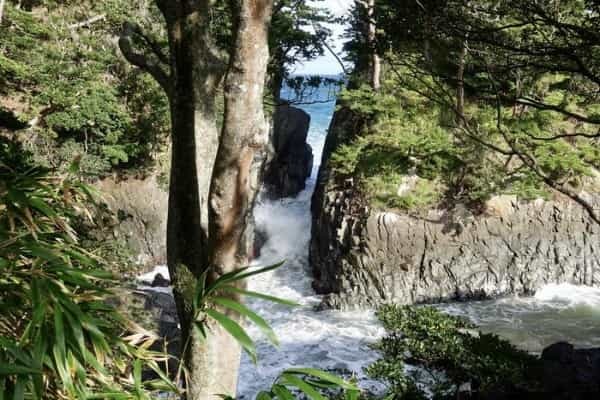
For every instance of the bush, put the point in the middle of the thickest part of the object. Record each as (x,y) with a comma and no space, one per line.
(59,337)
(450,350)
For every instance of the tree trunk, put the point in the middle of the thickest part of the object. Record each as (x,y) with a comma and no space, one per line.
(460,85)
(196,73)
(372,39)
(276,83)
(210,197)
(244,137)
(1,9)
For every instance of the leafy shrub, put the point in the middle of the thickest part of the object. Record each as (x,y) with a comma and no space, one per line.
(448,348)
(59,337)
(409,133)
(77,88)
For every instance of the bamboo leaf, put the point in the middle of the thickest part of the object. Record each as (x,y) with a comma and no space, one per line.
(19,390)
(263,396)
(304,387)
(251,315)
(257,295)
(8,370)
(325,376)
(236,331)
(282,392)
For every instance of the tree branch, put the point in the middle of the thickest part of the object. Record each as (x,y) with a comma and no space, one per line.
(2,2)
(142,60)
(87,22)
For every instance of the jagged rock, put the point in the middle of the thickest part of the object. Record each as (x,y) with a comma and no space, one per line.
(292,161)
(363,258)
(260,239)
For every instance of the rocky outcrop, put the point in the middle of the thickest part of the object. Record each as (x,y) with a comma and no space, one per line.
(138,216)
(362,257)
(562,373)
(292,160)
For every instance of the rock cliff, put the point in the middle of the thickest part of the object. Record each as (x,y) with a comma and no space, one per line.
(292,160)
(363,257)
(138,210)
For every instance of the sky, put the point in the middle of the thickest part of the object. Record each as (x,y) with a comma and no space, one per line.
(327,64)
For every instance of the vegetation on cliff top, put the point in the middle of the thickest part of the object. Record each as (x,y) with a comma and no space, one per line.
(67,93)
(476,99)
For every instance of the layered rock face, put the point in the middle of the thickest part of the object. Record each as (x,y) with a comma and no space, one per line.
(362,258)
(292,161)
(139,211)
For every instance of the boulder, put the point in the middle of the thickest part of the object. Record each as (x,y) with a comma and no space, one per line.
(292,160)
(570,370)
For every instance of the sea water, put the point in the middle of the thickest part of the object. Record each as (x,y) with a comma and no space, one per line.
(331,340)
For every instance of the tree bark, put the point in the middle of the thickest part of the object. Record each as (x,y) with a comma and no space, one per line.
(2,2)
(244,138)
(372,39)
(460,84)
(196,74)
(210,196)
(244,135)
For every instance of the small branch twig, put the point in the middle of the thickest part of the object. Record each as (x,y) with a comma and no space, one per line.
(81,24)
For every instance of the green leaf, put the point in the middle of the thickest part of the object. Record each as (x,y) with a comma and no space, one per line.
(352,394)
(257,295)
(248,313)
(239,275)
(325,376)
(167,384)
(137,375)
(8,370)
(41,206)
(303,386)
(19,391)
(282,392)
(260,271)
(199,290)
(263,396)
(236,331)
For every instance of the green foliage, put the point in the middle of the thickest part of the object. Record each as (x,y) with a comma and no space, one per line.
(523,121)
(73,84)
(409,134)
(448,349)
(59,337)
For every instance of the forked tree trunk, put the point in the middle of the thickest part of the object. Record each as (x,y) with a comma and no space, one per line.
(210,196)
(243,138)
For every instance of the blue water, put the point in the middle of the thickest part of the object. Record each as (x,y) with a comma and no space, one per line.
(327,339)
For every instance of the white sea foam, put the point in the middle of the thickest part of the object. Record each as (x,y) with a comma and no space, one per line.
(570,295)
(326,339)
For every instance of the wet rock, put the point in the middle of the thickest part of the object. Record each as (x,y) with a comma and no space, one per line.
(160,281)
(292,161)
(362,257)
(569,370)
(260,239)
